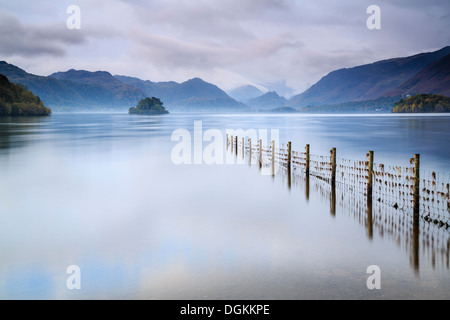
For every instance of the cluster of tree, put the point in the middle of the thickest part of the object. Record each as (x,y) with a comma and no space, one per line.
(149,106)
(15,100)
(421,103)
(376,105)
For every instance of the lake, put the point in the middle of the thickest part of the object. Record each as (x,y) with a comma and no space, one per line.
(101,191)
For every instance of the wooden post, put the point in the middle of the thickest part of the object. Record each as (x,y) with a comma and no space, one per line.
(272,146)
(416,183)
(250,151)
(243,148)
(227,142)
(232,144)
(289,163)
(307,159)
(369,176)
(289,155)
(236,143)
(260,153)
(333,166)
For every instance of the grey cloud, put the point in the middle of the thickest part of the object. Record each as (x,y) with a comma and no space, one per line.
(41,39)
(264,41)
(173,53)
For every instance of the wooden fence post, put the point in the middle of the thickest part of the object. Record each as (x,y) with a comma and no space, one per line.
(307,159)
(416,183)
(289,155)
(272,146)
(236,143)
(289,148)
(260,153)
(370,175)
(250,151)
(333,166)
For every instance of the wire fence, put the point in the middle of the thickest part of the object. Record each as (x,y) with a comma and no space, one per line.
(406,188)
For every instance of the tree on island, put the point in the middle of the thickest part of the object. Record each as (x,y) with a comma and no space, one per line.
(422,103)
(149,106)
(15,100)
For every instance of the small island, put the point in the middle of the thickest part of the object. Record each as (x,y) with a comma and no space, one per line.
(283,110)
(149,106)
(15,100)
(423,103)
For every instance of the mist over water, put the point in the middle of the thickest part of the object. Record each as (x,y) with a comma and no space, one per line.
(100,191)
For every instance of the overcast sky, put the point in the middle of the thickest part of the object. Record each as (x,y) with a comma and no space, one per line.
(274,44)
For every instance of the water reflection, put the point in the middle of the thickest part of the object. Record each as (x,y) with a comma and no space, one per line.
(369,218)
(16,132)
(405,229)
(192,227)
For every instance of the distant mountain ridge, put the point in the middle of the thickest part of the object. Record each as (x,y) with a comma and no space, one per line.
(268,101)
(194,94)
(356,89)
(245,93)
(76,90)
(60,93)
(368,82)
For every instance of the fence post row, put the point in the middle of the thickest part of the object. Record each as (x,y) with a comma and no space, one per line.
(233,141)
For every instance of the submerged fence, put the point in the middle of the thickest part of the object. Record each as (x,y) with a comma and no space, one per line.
(406,188)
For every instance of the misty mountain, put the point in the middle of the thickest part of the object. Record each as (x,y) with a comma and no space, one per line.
(76,90)
(102,88)
(60,93)
(192,95)
(367,82)
(268,101)
(245,93)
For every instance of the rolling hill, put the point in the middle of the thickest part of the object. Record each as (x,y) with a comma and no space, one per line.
(192,95)
(80,90)
(368,82)
(433,79)
(73,94)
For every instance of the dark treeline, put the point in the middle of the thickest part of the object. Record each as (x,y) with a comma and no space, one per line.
(15,100)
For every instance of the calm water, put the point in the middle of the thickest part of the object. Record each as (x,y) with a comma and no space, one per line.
(100,191)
